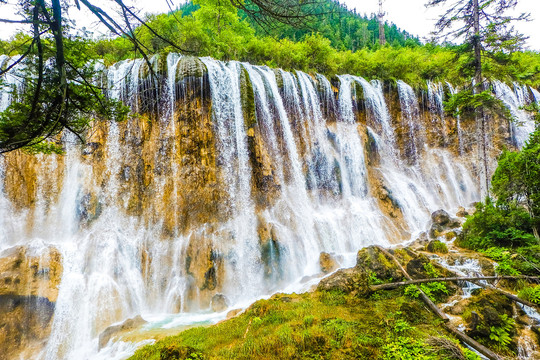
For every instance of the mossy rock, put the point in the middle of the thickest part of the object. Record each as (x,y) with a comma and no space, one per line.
(485,314)
(436,246)
(190,66)
(416,267)
(373,261)
(350,281)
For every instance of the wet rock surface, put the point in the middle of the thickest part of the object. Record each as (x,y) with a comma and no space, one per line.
(25,323)
(29,280)
(219,303)
(112,331)
(30,272)
(327,262)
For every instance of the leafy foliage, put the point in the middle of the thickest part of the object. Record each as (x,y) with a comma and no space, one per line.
(196,29)
(492,225)
(346,29)
(466,103)
(52,100)
(405,348)
(530,293)
(501,334)
(517,179)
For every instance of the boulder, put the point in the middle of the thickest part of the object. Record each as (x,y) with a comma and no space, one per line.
(435,231)
(442,221)
(354,281)
(440,217)
(462,213)
(327,263)
(128,325)
(219,303)
(372,261)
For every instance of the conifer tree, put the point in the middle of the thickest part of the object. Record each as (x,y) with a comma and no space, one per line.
(486,26)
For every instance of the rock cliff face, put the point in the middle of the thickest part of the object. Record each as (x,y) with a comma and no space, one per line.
(29,280)
(227,179)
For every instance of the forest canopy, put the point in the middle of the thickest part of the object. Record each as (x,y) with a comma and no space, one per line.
(345,42)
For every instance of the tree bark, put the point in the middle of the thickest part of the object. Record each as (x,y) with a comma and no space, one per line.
(478,88)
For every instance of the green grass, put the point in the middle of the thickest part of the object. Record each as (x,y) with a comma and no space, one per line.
(320,325)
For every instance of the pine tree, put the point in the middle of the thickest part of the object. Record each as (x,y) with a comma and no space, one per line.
(487,30)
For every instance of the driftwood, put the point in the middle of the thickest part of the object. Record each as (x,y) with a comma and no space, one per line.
(460,335)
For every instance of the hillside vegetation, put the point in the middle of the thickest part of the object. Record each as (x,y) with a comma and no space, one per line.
(345,42)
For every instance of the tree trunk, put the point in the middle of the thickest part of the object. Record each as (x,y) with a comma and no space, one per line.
(478,88)
(380,16)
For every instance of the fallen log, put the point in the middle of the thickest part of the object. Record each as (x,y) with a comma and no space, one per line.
(460,335)
(395,285)
(474,279)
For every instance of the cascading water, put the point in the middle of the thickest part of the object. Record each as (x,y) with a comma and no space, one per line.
(536,95)
(515,99)
(459,128)
(410,113)
(235,181)
(436,107)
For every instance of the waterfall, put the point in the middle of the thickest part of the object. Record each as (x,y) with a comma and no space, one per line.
(436,107)
(410,113)
(227,179)
(515,99)
(459,129)
(536,94)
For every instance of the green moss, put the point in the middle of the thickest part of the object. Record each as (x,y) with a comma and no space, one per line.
(437,246)
(248,99)
(319,325)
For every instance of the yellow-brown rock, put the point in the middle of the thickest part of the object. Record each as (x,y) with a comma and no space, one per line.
(25,273)
(28,289)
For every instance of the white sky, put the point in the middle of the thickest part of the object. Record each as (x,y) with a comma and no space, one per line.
(409,15)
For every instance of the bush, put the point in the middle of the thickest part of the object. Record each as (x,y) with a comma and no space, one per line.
(493,225)
(531,294)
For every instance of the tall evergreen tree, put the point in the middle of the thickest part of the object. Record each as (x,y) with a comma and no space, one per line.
(486,27)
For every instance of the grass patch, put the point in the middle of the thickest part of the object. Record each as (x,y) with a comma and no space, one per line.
(319,325)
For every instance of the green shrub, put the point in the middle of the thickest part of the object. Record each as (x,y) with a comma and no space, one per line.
(493,225)
(405,348)
(530,293)
(500,335)
(434,291)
